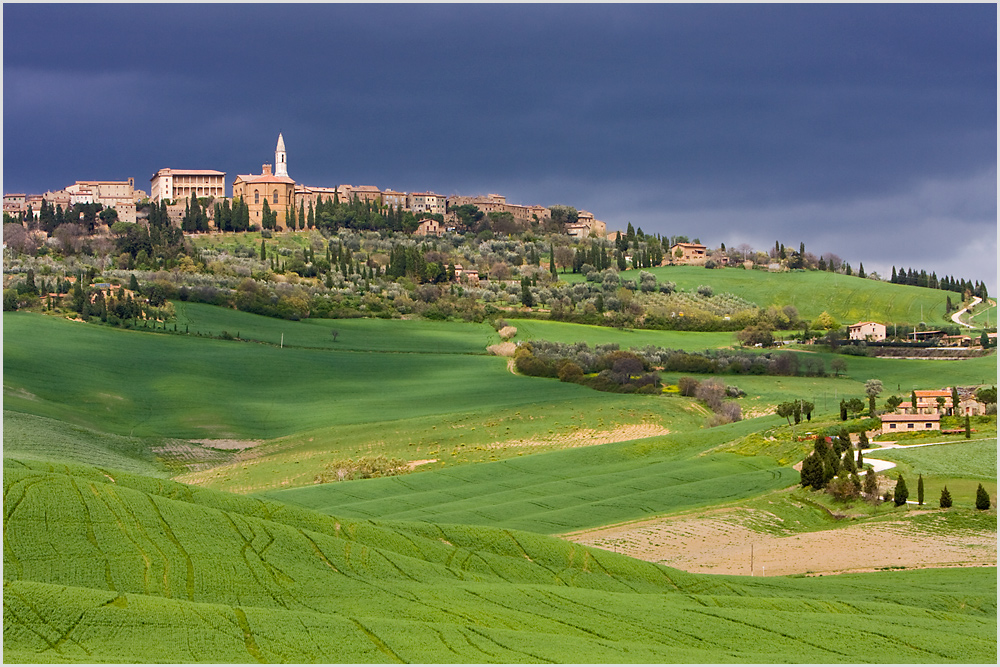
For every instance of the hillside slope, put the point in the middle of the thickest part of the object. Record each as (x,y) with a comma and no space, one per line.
(106,566)
(848,299)
(556,492)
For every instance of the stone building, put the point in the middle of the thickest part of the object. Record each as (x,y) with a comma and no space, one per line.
(688,253)
(426,202)
(867,331)
(277,189)
(173,184)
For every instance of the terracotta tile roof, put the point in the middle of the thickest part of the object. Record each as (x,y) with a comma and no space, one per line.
(264,178)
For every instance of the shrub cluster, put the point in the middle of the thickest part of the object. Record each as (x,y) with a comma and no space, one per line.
(605,369)
(364,467)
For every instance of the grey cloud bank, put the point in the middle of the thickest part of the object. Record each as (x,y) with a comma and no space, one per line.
(867,131)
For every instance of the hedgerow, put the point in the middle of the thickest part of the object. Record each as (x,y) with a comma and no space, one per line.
(544,359)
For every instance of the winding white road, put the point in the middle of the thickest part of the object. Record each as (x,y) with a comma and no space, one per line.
(956,318)
(878,465)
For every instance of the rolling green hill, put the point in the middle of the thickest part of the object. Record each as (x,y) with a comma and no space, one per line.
(146,384)
(848,299)
(561,491)
(40,439)
(104,566)
(563,332)
(441,401)
(358,335)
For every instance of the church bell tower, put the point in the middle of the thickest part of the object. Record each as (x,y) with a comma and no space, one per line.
(280,163)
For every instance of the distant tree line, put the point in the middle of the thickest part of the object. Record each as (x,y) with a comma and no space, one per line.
(949,283)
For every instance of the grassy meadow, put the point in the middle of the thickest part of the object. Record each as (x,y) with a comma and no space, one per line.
(226,578)
(150,384)
(242,557)
(563,332)
(848,299)
(561,491)
(357,335)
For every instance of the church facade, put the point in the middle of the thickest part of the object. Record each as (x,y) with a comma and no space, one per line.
(276,189)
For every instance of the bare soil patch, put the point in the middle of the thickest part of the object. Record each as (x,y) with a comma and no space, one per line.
(721,543)
(227,444)
(586,437)
(502,349)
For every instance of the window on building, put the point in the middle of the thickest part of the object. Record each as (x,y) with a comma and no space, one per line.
(892,426)
(256,197)
(275,197)
(909,425)
(928,425)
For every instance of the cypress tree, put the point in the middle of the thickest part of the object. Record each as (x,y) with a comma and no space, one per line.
(945,501)
(982,498)
(968,429)
(843,410)
(812,472)
(861,460)
(920,489)
(263,250)
(552,260)
(901,493)
(847,465)
(871,484)
(913,402)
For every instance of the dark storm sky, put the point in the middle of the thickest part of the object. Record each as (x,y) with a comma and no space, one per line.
(868,131)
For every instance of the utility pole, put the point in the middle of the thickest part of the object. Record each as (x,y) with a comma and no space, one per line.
(282,345)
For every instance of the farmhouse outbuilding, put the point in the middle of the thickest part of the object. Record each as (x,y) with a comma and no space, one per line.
(892,423)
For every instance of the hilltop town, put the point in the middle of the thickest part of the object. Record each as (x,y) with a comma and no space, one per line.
(274,191)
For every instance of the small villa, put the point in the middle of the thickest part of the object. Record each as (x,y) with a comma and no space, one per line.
(688,253)
(892,423)
(867,331)
(429,227)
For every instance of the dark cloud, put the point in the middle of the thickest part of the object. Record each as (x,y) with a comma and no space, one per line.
(792,116)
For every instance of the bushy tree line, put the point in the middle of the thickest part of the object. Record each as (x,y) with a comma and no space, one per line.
(605,369)
(709,362)
(949,283)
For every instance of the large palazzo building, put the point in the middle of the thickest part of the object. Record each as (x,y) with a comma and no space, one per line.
(171,184)
(277,189)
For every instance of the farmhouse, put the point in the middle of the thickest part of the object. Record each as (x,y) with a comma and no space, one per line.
(466,275)
(429,227)
(897,423)
(688,253)
(927,335)
(928,404)
(970,407)
(957,340)
(867,331)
